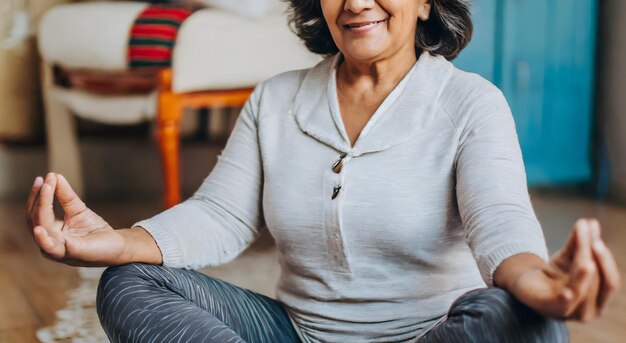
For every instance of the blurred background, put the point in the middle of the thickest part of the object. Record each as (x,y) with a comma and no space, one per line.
(133,103)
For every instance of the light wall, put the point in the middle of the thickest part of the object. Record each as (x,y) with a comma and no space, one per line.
(21,111)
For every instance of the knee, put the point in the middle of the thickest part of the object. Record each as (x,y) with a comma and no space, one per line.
(113,277)
(495,315)
(116,285)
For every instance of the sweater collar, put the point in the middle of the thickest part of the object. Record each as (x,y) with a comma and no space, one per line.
(316,109)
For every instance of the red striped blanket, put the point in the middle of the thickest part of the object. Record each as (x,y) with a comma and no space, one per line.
(153,36)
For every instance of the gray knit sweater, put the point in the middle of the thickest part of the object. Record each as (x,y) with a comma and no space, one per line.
(433,198)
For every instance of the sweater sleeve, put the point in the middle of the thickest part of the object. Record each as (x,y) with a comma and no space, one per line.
(491,187)
(224,215)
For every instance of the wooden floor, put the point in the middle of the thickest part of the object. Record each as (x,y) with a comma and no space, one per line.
(32,288)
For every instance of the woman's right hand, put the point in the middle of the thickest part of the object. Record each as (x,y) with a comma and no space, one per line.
(82,238)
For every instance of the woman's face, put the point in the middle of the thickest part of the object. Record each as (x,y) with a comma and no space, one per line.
(369,30)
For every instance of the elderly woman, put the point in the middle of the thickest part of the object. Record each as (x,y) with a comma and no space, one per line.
(393,185)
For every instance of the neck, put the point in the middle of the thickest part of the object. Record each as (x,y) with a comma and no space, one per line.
(385,72)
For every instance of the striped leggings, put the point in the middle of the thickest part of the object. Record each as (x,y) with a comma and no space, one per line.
(147,303)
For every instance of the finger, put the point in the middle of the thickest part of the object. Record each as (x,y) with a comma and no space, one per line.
(610,279)
(583,267)
(569,248)
(594,225)
(587,309)
(34,193)
(69,200)
(603,257)
(576,294)
(47,243)
(581,234)
(32,198)
(44,210)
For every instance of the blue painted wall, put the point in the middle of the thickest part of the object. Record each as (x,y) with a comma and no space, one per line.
(541,54)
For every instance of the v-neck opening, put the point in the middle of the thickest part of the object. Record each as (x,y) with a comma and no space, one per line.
(335,110)
(315,107)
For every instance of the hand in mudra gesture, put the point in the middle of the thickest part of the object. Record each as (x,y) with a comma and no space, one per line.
(577,282)
(82,238)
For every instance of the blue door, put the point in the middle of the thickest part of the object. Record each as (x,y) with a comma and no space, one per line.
(541,54)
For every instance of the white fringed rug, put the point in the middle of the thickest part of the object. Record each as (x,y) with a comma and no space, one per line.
(78,321)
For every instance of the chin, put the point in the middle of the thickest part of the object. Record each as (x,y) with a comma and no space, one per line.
(363,55)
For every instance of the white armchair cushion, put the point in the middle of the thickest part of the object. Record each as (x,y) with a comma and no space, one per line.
(90,35)
(220,50)
(215,49)
(113,110)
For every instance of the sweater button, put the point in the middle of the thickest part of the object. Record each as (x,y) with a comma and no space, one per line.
(339,163)
(335,192)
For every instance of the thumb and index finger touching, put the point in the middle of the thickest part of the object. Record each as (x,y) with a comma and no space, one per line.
(57,186)
(41,199)
(41,215)
(591,258)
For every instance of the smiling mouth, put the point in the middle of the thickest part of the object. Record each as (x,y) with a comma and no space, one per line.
(364,24)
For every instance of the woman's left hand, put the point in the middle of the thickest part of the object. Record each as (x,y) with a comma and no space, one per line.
(579,280)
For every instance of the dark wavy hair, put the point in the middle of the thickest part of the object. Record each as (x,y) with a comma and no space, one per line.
(446,32)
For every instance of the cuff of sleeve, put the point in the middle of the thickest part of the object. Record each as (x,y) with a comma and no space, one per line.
(489,263)
(172,256)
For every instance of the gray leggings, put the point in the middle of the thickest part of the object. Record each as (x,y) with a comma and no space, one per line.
(147,303)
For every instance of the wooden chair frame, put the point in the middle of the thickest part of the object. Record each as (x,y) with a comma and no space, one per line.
(63,152)
(169,113)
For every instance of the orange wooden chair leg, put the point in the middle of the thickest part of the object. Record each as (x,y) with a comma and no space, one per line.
(168,122)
